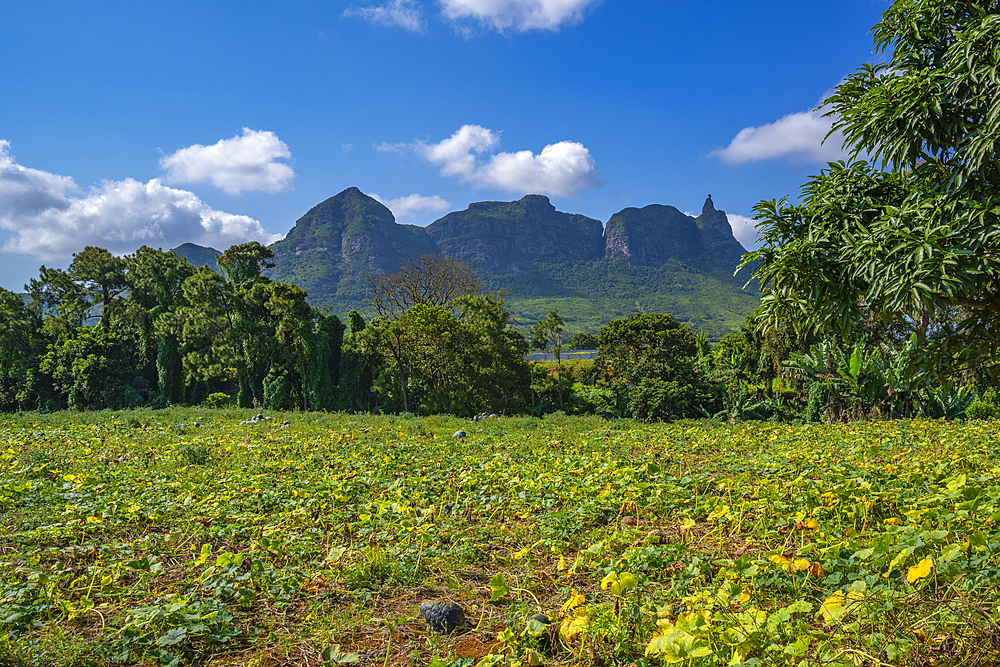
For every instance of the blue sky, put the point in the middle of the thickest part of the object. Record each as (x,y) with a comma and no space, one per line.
(123,123)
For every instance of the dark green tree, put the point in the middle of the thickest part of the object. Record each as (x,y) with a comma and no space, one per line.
(583,341)
(916,242)
(550,332)
(21,342)
(156,286)
(245,262)
(500,376)
(102,277)
(58,301)
(321,355)
(97,369)
(649,361)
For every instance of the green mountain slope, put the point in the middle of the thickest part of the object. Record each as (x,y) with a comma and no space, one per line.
(334,247)
(589,295)
(654,259)
(508,237)
(198,255)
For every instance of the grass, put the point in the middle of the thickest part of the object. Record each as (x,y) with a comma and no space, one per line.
(568,364)
(138,538)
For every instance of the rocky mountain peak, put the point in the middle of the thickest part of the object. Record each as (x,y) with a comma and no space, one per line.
(508,237)
(656,234)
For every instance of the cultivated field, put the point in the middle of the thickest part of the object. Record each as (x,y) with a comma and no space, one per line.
(141,538)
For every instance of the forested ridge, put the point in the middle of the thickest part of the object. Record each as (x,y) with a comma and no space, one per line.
(653,259)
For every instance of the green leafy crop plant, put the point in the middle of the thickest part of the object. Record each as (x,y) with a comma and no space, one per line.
(139,538)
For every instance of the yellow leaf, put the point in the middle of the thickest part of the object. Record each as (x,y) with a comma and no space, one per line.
(619,583)
(816,570)
(665,646)
(575,625)
(575,600)
(920,570)
(719,512)
(781,561)
(800,564)
(811,523)
(93,519)
(894,521)
(745,597)
(839,604)
(562,564)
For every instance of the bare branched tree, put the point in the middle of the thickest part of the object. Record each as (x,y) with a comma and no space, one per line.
(426,279)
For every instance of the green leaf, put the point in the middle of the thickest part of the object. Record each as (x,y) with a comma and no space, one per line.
(334,656)
(498,587)
(173,636)
(799,646)
(206,551)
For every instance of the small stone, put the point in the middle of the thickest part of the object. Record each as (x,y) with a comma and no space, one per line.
(443,616)
(459,434)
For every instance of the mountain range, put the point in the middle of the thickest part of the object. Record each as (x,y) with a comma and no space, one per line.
(653,259)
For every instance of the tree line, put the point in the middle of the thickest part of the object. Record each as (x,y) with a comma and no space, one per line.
(150,329)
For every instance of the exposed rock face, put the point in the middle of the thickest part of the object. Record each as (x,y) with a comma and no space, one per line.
(656,234)
(357,228)
(343,239)
(651,258)
(716,232)
(507,237)
(652,235)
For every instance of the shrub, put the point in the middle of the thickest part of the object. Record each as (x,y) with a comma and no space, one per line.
(217,400)
(982,410)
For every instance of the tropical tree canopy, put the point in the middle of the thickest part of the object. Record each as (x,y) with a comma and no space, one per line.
(913,238)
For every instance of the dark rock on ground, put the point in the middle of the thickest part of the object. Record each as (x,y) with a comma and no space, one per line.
(443,616)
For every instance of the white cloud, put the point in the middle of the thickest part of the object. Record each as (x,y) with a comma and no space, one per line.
(25,192)
(799,137)
(51,218)
(405,207)
(745,230)
(561,169)
(455,154)
(519,15)
(245,162)
(407,14)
